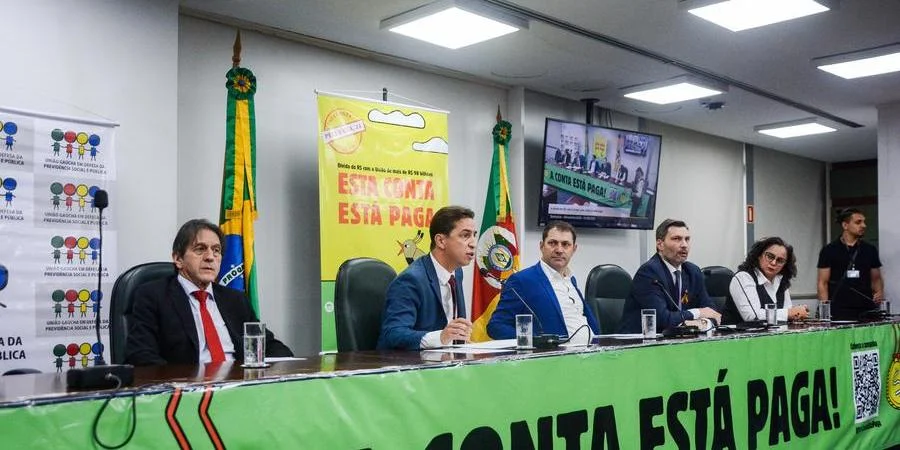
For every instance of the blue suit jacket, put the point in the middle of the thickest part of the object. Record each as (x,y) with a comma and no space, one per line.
(413,306)
(645,294)
(534,287)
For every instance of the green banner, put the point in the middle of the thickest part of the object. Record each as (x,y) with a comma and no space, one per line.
(593,189)
(819,389)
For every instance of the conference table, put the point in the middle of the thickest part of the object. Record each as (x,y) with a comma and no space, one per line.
(808,385)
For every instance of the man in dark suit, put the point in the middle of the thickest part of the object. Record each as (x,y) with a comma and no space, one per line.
(549,289)
(425,307)
(189,319)
(669,284)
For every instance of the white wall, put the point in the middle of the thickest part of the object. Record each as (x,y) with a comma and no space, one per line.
(889,200)
(701,181)
(595,246)
(107,60)
(287,72)
(790,203)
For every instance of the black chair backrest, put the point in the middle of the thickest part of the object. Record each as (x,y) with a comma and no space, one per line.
(607,281)
(359,294)
(717,279)
(122,298)
(608,312)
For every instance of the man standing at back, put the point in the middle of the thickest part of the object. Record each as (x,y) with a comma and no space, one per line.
(850,270)
(550,291)
(188,318)
(424,307)
(669,284)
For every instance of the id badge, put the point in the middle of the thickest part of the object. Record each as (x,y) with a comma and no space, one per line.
(852,273)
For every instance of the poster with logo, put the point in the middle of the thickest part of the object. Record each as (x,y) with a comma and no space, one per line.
(382,175)
(51,168)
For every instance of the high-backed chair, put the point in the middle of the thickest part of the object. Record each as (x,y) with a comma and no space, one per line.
(122,298)
(605,291)
(717,279)
(359,295)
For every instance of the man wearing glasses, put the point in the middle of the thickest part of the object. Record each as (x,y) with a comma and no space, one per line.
(550,290)
(850,270)
(669,284)
(189,318)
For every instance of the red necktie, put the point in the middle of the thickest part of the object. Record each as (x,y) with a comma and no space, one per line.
(209,329)
(452,283)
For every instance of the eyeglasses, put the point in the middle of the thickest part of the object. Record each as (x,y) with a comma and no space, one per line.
(776,259)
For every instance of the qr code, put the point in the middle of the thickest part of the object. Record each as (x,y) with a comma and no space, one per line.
(866,384)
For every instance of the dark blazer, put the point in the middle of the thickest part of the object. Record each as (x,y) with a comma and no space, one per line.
(645,294)
(161,327)
(534,287)
(413,306)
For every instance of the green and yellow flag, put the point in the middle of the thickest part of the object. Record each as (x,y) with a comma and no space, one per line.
(497,249)
(238,209)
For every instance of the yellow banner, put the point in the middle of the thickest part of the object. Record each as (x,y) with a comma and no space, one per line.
(382,175)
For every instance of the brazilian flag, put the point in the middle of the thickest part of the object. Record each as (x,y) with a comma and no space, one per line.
(238,210)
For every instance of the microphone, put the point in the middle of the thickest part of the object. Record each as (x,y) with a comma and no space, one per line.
(540,340)
(872,314)
(101,375)
(101,201)
(668,296)
(747,297)
(680,329)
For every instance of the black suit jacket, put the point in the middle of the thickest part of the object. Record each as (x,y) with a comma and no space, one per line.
(646,294)
(161,327)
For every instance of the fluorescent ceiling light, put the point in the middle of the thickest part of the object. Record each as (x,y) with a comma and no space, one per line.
(675,90)
(863,63)
(738,15)
(454,23)
(795,128)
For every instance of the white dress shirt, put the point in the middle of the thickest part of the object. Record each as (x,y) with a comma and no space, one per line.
(432,339)
(695,312)
(569,302)
(221,329)
(743,292)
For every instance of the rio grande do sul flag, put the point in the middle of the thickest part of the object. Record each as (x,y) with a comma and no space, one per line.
(497,249)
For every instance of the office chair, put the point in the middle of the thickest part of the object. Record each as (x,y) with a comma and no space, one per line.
(717,279)
(605,291)
(122,298)
(360,289)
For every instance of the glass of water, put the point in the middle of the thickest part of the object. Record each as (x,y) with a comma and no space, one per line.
(648,323)
(824,311)
(885,306)
(771,314)
(523,331)
(254,344)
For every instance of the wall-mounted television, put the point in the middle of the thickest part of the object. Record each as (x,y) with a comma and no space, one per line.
(598,177)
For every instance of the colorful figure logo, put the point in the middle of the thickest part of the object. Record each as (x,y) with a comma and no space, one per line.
(94,140)
(59,351)
(57,296)
(71,243)
(57,136)
(82,139)
(9,184)
(4,278)
(10,128)
(69,190)
(56,189)
(69,137)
